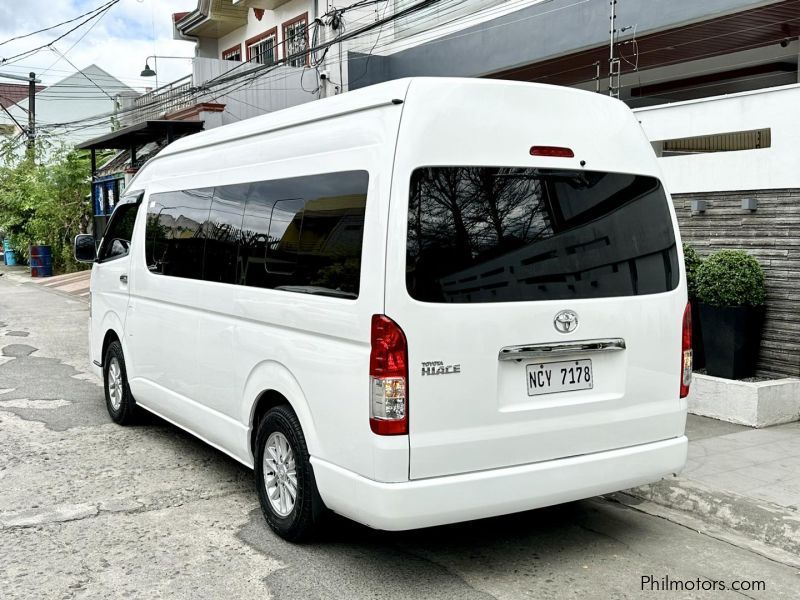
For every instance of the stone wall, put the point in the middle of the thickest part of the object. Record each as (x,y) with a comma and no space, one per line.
(772,235)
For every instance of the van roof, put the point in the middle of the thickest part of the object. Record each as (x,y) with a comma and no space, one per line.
(382,94)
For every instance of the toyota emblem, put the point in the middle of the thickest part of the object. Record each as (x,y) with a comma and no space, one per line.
(566,321)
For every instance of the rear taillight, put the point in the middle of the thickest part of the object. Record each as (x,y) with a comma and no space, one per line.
(388,378)
(686,351)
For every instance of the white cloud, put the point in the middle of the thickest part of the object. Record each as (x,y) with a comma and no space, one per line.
(118,43)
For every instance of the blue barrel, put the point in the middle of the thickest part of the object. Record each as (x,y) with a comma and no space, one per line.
(41,259)
(6,245)
(11,258)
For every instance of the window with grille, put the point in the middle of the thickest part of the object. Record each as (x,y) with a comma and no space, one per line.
(263,49)
(295,39)
(234,53)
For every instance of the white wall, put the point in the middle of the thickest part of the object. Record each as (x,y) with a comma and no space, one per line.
(769,168)
(278,89)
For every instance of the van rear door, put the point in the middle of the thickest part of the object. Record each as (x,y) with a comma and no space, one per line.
(542,309)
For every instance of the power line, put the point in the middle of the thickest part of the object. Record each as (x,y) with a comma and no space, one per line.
(98,12)
(250,75)
(19,37)
(78,41)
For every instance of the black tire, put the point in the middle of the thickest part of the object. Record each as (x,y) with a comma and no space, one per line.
(303,521)
(121,409)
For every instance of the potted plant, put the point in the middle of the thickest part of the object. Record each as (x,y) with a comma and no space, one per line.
(730,288)
(692,261)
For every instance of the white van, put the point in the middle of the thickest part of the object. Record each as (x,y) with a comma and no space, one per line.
(428,301)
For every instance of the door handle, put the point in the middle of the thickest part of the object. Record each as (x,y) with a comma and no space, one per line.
(123,279)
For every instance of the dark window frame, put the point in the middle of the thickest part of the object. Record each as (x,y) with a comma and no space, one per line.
(252,42)
(292,57)
(233,51)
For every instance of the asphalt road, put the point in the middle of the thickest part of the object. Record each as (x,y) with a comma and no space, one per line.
(92,510)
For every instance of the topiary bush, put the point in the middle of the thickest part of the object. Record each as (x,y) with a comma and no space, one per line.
(692,261)
(730,278)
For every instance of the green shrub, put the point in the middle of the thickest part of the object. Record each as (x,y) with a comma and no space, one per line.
(692,261)
(730,278)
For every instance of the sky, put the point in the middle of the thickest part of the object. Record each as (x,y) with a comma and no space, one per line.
(119,42)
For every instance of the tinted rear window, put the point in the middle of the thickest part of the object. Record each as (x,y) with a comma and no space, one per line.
(492,234)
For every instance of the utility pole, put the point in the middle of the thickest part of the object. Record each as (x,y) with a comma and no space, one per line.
(32,113)
(31,129)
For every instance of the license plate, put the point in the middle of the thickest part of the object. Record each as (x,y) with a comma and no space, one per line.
(563,376)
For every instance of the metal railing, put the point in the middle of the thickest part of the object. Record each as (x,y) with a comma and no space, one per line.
(156,103)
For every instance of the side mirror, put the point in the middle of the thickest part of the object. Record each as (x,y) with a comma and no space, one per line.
(84,248)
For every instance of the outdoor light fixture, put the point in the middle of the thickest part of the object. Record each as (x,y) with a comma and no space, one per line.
(750,204)
(148,72)
(698,206)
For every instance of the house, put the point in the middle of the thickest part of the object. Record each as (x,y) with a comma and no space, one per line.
(250,58)
(715,85)
(259,31)
(89,92)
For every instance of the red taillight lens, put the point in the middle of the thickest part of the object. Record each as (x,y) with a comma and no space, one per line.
(388,378)
(555,151)
(686,351)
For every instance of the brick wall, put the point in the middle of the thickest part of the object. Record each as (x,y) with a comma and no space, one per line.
(772,235)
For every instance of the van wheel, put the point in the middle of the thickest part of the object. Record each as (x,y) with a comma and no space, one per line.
(119,400)
(284,477)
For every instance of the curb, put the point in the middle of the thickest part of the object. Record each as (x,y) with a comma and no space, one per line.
(763,521)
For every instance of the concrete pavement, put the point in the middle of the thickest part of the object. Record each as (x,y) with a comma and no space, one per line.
(739,478)
(76,284)
(92,510)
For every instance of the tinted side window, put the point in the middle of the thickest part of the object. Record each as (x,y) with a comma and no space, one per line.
(177,225)
(305,234)
(117,238)
(223,234)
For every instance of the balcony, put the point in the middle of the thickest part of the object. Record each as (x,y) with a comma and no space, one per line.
(279,88)
(158,102)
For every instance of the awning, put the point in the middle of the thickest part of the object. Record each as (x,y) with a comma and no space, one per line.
(142,133)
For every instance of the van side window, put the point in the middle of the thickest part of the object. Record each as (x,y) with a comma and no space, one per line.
(177,224)
(301,234)
(305,234)
(117,237)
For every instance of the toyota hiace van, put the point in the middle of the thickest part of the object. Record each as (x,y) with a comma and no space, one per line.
(423,302)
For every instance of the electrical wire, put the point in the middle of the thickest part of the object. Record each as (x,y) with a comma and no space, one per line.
(98,12)
(19,37)
(78,41)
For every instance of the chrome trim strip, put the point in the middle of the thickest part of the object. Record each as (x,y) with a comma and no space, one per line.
(561,348)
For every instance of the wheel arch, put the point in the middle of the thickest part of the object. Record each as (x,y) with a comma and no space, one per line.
(112,328)
(271,384)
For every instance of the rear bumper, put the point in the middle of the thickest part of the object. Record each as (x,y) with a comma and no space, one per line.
(441,500)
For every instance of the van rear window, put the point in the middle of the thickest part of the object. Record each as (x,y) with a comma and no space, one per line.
(495,234)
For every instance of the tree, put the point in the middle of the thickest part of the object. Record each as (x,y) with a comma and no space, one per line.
(45,202)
